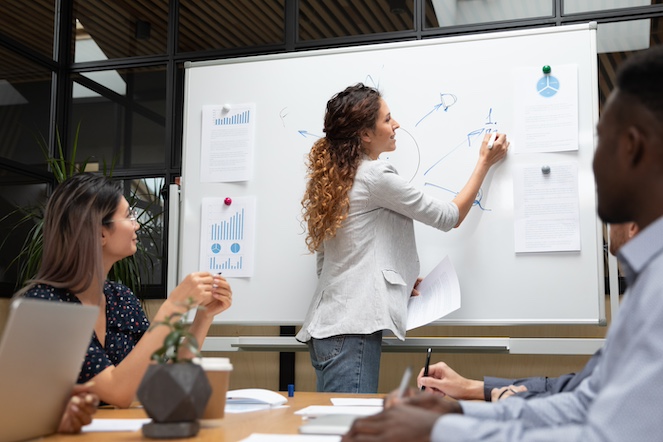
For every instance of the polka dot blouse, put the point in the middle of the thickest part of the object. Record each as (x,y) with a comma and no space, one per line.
(125,325)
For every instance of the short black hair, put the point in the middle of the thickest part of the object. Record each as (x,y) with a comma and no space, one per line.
(641,76)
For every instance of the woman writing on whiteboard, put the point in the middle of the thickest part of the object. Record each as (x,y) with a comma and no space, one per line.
(89,226)
(359,213)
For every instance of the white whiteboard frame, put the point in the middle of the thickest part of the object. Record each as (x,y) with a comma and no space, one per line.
(188,212)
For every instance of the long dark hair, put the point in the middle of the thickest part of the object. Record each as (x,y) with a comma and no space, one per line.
(333,161)
(74,215)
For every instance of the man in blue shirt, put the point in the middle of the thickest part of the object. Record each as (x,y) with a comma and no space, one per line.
(443,380)
(623,397)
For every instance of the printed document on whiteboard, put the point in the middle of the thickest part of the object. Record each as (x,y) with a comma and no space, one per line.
(546,208)
(226,236)
(546,109)
(439,296)
(227,143)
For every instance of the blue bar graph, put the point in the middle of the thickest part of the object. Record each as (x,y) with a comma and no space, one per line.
(231,229)
(226,264)
(241,118)
(227,235)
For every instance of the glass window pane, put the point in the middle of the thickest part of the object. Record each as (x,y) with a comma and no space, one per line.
(122,117)
(25,95)
(19,196)
(30,23)
(575,6)
(442,13)
(320,19)
(616,41)
(207,25)
(144,195)
(111,29)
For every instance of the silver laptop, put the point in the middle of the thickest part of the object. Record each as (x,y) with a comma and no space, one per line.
(41,353)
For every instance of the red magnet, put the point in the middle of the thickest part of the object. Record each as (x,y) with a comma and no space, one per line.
(228,201)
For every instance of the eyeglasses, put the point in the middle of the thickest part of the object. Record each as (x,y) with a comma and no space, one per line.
(133,217)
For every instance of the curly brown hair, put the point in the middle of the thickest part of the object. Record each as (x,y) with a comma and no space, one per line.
(333,161)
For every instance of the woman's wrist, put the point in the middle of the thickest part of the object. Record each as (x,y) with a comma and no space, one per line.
(476,390)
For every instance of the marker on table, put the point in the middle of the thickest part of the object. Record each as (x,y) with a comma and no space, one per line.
(493,137)
(428,353)
(404,381)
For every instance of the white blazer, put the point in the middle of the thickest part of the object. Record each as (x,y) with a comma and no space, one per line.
(367,271)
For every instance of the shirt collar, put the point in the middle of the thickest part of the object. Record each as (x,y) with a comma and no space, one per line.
(638,252)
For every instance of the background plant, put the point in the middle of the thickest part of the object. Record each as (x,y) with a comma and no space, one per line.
(129,271)
(178,338)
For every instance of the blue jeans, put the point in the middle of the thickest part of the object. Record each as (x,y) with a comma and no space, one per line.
(347,363)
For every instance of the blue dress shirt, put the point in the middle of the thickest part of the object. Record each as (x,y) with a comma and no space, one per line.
(623,398)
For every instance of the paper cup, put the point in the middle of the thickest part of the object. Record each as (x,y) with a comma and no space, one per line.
(218,374)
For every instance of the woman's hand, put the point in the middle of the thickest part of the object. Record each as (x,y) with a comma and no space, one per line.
(497,394)
(221,298)
(415,292)
(498,150)
(194,290)
(444,381)
(79,411)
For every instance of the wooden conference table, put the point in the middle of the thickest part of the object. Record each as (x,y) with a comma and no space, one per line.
(232,428)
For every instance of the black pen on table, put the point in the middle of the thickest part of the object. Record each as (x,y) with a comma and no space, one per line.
(428,353)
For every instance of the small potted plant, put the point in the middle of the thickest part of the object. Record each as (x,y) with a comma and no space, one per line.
(174,390)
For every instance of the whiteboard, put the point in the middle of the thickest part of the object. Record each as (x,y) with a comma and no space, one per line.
(289,93)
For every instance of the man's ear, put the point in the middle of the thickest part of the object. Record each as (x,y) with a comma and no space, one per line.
(635,145)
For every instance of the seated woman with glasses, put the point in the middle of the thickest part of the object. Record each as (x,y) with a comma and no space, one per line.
(89,226)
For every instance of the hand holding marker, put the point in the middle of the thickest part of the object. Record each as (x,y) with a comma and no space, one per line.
(493,137)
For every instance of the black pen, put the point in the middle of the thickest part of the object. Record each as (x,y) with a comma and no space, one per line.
(428,353)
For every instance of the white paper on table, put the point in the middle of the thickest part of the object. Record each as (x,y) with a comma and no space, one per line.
(439,295)
(256,437)
(546,109)
(246,408)
(324,410)
(357,402)
(546,208)
(114,425)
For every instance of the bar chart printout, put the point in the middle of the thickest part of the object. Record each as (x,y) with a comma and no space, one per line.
(226,239)
(227,142)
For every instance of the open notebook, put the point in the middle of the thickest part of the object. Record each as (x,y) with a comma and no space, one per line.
(41,353)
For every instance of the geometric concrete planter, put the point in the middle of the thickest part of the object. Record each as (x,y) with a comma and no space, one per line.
(175,397)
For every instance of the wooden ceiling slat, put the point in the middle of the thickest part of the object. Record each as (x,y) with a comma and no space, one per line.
(312,13)
(113,29)
(374,14)
(269,19)
(30,23)
(274,11)
(206,25)
(226,24)
(207,20)
(338,16)
(242,17)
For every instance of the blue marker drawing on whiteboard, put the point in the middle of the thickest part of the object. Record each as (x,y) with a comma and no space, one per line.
(470,136)
(305,134)
(435,174)
(446,101)
(282,115)
(476,202)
